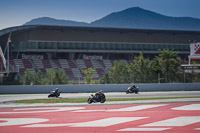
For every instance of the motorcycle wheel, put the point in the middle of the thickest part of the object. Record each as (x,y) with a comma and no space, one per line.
(103,100)
(89,101)
(48,96)
(136,92)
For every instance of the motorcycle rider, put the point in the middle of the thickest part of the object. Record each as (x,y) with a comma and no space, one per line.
(56,90)
(133,88)
(98,95)
(54,93)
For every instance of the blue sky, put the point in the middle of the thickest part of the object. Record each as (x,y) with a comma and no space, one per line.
(18,12)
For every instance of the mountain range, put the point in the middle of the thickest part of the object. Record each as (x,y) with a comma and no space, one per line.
(134,18)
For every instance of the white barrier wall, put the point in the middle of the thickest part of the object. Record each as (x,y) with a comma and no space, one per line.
(28,89)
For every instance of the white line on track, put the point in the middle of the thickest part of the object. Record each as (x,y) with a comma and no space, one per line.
(144,129)
(96,123)
(133,108)
(107,122)
(188,107)
(42,110)
(178,121)
(48,125)
(20,121)
(136,108)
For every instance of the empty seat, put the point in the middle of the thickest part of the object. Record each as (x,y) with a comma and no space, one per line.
(101,62)
(107,63)
(81,64)
(46,63)
(64,63)
(88,63)
(27,64)
(100,72)
(71,63)
(76,72)
(69,73)
(19,63)
(38,64)
(57,62)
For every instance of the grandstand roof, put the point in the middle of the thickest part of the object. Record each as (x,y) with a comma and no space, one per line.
(82,37)
(24,27)
(17,28)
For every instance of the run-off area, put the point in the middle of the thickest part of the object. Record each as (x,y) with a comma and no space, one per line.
(167,117)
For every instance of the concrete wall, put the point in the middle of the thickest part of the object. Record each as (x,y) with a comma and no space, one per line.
(13,89)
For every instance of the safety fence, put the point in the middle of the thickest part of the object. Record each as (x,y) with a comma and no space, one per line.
(34,89)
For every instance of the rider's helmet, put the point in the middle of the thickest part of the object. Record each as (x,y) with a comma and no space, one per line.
(56,89)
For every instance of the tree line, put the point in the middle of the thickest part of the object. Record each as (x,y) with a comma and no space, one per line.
(164,68)
(52,77)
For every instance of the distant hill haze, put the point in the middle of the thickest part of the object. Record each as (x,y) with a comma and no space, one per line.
(52,21)
(134,18)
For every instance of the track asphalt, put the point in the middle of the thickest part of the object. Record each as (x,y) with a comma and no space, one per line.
(160,117)
(11,97)
(149,116)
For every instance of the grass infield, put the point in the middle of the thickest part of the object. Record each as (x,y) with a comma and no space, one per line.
(82,100)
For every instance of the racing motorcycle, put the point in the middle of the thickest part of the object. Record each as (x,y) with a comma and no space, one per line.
(132,89)
(54,93)
(98,97)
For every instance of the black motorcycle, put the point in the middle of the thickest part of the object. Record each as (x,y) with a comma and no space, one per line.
(132,89)
(97,98)
(54,93)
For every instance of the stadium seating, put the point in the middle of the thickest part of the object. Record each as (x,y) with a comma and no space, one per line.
(100,72)
(69,73)
(57,63)
(107,63)
(72,64)
(46,63)
(38,64)
(64,64)
(19,63)
(88,63)
(76,72)
(81,64)
(27,64)
(101,62)
(53,64)
(72,68)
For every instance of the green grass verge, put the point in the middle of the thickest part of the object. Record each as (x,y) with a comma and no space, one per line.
(82,100)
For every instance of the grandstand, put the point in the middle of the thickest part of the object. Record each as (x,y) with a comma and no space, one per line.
(40,47)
